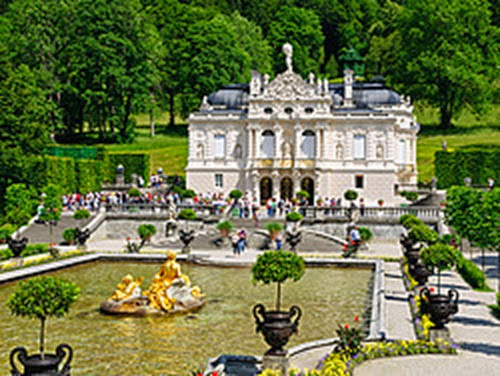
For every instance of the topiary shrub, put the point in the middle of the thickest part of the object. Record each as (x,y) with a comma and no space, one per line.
(236,194)
(134,192)
(6,231)
(294,217)
(439,256)
(69,235)
(81,214)
(273,228)
(278,267)
(225,228)
(350,195)
(365,234)
(187,215)
(43,297)
(409,220)
(35,249)
(146,231)
(303,194)
(471,274)
(410,196)
(188,193)
(422,233)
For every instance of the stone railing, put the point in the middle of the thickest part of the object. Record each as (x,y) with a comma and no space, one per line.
(161,209)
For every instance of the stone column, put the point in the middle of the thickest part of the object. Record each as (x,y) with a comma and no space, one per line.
(277,142)
(298,136)
(276,184)
(258,142)
(255,185)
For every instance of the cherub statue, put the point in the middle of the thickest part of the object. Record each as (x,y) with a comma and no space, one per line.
(127,288)
(288,51)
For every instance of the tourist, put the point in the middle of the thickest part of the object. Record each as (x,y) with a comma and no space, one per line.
(355,237)
(491,183)
(242,241)
(234,242)
(362,207)
(279,241)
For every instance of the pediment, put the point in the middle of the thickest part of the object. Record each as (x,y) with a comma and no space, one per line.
(289,85)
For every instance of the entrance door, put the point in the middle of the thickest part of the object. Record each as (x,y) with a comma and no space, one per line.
(286,189)
(307,184)
(266,190)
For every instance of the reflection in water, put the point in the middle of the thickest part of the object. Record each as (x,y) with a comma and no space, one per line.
(110,345)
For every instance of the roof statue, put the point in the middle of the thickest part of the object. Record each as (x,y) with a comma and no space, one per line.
(288,51)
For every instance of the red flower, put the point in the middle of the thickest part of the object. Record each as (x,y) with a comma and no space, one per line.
(128,239)
(431,289)
(346,326)
(215,373)
(356,319)
(199,374)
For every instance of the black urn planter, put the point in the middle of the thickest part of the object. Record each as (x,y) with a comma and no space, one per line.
(82,236)
(439,306)
(277,327)
(186,238)
(17,246)
(420,273)
(293,238)
(406,242)
(34,365)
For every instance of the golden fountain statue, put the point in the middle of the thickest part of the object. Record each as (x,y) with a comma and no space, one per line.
(170,292)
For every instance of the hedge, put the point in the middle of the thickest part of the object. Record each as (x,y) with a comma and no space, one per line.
(89,175)
(60,171)
(453,167)
(76,152)
(132,163)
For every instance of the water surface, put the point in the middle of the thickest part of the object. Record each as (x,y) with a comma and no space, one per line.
(109,345)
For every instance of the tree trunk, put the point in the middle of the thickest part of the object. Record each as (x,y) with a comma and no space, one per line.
(446,115)
(152,122)
(278,300)
(172,108)
(482,259)
(42,338)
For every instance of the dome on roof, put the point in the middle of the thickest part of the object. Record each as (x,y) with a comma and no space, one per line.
(376,97)
(230,97)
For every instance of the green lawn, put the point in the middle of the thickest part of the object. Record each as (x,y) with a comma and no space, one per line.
(470,132)
(168,149)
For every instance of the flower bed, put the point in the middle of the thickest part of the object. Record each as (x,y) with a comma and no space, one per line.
(18,263)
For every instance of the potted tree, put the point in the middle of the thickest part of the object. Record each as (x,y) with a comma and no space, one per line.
(293,235)
(235,195)
(277,325)
(186,235)
(52,207)
(225,228)
(69,235)
(274,229)
(40,298)
(441,257)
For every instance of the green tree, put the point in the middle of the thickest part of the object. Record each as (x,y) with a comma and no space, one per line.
(52,206)
(448,54)
(20,204)
(302,29)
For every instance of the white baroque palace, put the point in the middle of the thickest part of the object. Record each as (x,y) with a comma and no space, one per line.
(274,138)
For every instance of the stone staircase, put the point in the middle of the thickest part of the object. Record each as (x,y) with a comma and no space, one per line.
(39,233)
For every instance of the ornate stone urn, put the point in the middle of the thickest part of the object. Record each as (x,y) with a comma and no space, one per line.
(439,306)
(17,246)
(186,238)
(420,273)
(277,327)
(35,365)
(82,236)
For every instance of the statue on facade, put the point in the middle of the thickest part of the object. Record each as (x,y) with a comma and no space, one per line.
(288,51)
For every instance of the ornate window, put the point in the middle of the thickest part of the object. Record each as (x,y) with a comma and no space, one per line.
(359,151)
(267,146)
(288,110)
(268,110)
(308,144)
(219,146)
(309,110)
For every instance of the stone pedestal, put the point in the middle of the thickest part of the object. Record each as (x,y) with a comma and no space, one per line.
(276,363)
(443,334)
(120,180)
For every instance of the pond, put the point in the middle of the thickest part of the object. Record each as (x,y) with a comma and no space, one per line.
(110,345)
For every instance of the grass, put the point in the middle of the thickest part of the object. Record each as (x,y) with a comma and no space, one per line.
(469,132)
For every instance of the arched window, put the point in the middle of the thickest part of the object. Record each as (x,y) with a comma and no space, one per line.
(238,152)
(308,144)
(267,146)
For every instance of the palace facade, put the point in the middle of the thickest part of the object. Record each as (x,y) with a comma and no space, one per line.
(274,138)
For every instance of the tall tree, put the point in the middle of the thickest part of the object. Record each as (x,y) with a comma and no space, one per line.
(448,54)
(302,29)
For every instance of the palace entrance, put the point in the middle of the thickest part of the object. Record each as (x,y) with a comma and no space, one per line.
(307,184)
(266,190)
(286,189)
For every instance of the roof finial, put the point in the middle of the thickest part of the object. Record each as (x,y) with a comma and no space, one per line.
(288,51)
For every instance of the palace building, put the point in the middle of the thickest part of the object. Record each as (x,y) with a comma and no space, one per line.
(274,138)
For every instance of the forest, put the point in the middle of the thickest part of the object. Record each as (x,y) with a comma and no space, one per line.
(73,68)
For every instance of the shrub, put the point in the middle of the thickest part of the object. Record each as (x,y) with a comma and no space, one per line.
(187,214)
(81,214)
(134,192)
(349,339)
(188,193)
(236,194)
(146,231)
(60,171)
(89,175)
(410,196)
(277,267)
(440,256)
(69,235)
(350,195)
(273,227)
(409,220)
(422,233)
(5,254)
(303,194)
(20,204)
(294,217)
(35,249)
(43,297)
(178,190)
(365,234)
(225,226)
(6,231)
(133,163)
(471,273)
